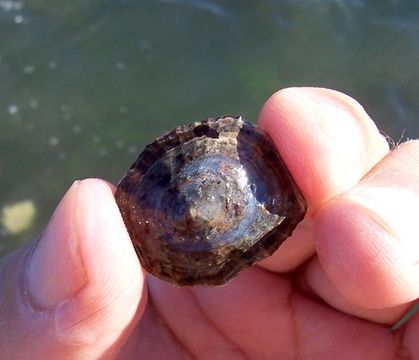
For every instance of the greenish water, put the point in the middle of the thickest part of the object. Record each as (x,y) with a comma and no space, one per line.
(84,85)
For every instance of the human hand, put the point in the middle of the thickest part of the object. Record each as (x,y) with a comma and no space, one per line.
(331,291)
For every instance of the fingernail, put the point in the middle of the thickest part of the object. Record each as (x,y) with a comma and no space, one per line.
(395,209)
(335,116)
(55,271)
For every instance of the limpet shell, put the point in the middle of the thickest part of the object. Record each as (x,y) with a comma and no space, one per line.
(207,200)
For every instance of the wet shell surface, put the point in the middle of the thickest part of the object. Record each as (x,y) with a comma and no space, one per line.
(207,200)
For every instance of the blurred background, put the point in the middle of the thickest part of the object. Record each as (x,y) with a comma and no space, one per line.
(85,85)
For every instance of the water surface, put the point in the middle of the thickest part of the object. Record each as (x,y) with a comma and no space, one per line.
(84,85)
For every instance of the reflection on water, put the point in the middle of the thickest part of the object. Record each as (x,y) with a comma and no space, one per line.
(18,217)
(86,84)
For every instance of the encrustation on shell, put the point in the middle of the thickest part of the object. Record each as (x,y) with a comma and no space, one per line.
(207,200)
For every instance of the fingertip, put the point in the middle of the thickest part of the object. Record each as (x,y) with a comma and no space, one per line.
(325,137)
(327,141)
(362,258)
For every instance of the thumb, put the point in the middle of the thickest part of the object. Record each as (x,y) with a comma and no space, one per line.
(78,290)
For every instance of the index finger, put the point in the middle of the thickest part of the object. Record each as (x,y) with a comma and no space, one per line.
(329,143)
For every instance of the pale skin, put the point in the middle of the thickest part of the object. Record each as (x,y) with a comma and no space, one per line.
(350,270)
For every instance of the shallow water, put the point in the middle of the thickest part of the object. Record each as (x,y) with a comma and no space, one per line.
(84,85)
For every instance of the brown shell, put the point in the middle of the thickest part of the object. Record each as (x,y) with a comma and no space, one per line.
(208,200)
